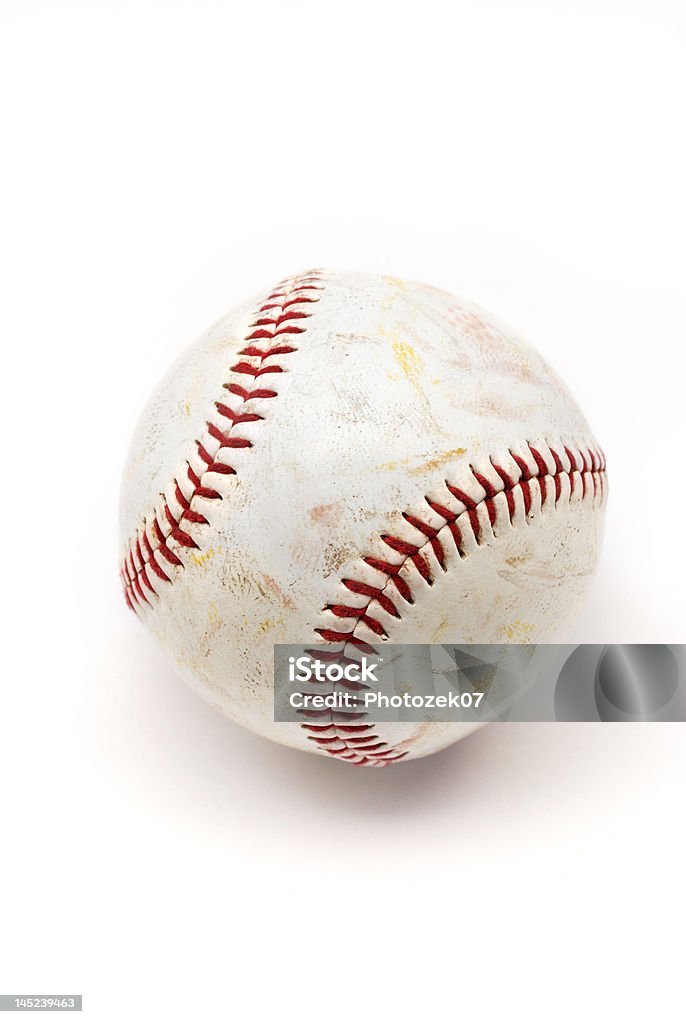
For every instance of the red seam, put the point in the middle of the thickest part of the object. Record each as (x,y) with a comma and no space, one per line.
(134,573)
(332,737)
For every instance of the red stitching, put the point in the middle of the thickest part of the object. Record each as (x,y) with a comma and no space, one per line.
(273,320)
(347,739)
(333,737)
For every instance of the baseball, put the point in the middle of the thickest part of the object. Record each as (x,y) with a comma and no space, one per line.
(352,459)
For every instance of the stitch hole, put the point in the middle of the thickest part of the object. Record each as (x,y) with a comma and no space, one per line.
(401,546)
(418,524)
(431,504)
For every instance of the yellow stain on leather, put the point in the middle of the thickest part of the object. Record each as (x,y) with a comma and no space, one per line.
(517,632)
(267,625)
(411,366)
(433,463)
(203,557)
(439,460)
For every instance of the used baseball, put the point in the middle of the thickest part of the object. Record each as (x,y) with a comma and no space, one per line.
(354,459)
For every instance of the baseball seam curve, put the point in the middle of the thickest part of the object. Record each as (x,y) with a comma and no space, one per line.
(530,486)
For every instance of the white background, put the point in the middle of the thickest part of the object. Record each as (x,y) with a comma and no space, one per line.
(162,162)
